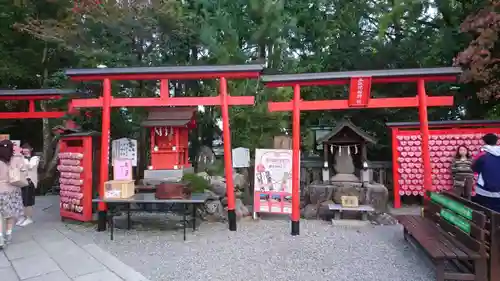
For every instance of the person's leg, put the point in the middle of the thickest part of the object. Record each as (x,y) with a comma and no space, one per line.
(29,202)
(24,195)
(9,225)
(2,241)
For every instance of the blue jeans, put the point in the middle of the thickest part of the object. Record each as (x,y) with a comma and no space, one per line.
(488,202)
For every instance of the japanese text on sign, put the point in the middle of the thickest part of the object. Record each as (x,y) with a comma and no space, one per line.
(359,92)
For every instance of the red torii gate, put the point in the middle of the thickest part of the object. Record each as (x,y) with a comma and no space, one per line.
(164,74)
(359,98)
(32,96)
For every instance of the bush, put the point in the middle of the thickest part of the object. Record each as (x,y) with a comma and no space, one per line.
(196,183)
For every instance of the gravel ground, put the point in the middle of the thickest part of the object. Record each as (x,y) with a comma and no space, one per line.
(264,250)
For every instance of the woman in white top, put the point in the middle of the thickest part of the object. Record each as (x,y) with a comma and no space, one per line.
(11,205)
(28,192)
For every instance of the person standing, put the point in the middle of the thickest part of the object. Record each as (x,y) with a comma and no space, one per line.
(28,192)
(487,166)
(461,170)
(11,203)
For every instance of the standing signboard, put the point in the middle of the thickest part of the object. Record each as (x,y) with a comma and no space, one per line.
(124,149)
(241,157)
(273,181)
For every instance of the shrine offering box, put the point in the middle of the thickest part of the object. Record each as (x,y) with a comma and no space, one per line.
(119,189)
(444,139)
(77,175)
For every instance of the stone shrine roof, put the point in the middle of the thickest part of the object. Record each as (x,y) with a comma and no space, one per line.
(347,124)
(169,116)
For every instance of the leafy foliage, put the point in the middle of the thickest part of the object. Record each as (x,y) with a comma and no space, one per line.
(41,38)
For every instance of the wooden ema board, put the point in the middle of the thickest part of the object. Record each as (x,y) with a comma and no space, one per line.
(75,178)
(407,157)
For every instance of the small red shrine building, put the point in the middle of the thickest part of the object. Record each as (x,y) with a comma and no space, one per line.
(169,135)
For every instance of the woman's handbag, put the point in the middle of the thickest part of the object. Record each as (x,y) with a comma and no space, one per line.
(17,177)
(17,174)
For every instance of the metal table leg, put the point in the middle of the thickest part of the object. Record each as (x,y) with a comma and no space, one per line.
(194,216)
(111,224)
(129,222)
(184,220)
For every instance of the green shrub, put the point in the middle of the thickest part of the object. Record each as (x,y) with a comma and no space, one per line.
(196,183)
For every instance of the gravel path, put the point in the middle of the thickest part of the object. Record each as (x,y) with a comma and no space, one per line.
(263,250)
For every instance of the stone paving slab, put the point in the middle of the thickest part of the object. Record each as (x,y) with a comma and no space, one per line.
(49,251)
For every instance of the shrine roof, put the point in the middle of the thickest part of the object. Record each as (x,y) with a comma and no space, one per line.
(179,72)
(39,92)
(445,123)
(347,124)
(169,116)
(410,73)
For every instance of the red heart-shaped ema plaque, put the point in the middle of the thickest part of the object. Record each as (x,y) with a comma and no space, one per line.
(404,153)
(399,137)
(418,143)
(453,142)
(432,142)
(407,181)
(411,153)
(442,137)
(413,137)
(447,165)
(403,143)
(415,193)
(457,137)
(460,142)
(399,148)
(432,153)
(414,170)
(443,170)
(446,176)
(435,171)
(449,137)
(404,165)
(446,142)
(400,170)
(434,137)
(401,192)
(407,148)
(407,192)
(435,182)
(415,148)
(401,181)
(411,143)
(475,142)
(439,153)
(406,138)
(418,153)
(439,142)
(419,174)
(421,171)
(468,142)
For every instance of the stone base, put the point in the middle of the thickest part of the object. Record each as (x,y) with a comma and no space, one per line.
(373,194)
(377,196)
(351,223)
(166,175)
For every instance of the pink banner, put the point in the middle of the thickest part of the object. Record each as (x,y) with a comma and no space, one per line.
(273,181)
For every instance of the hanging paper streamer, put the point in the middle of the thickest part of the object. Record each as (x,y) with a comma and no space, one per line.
(349,148)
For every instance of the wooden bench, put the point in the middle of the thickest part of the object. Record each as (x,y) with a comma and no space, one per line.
(453,235)
(338,209)
(492,235)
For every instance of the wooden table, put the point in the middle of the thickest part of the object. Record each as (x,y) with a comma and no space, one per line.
(144,199)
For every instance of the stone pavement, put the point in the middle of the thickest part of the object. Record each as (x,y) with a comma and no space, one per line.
(48,251)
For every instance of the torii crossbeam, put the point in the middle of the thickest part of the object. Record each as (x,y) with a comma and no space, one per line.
(359,98)
(32,96)
(164,74)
